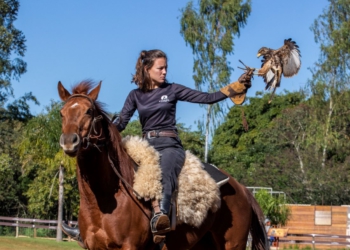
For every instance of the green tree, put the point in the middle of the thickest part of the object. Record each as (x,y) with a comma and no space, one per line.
(133,128)
(12,115)
(41,157)
(330,79)
(12,47)
(209,29)
(274,207)
(191,140)
(280,150)
(241,152)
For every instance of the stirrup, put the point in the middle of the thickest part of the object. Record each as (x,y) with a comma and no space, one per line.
(160,224)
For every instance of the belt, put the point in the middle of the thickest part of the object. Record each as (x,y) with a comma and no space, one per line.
(157,133)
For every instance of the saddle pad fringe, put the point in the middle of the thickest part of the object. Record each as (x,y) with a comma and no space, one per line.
(197,191)
(147,180)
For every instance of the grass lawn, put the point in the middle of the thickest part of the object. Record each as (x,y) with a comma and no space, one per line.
(11,243)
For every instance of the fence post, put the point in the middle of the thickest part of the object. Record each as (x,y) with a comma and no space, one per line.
(313,241)
(17,229)
(60,203)
(69,224)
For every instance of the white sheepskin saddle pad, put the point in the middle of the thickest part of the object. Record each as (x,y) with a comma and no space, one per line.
(197,192)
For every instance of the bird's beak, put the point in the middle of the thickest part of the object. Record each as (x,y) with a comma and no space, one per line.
(258,55)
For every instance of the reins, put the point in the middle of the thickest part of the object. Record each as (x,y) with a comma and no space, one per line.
(89,135)
(121,177)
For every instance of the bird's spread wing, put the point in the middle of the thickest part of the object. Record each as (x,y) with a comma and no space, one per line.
(290,56)
(269,79)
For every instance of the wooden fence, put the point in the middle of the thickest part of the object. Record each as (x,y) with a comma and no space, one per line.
(30,223)
(316,241)
(321,227)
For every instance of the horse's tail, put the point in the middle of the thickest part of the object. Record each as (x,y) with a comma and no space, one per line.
(257,227)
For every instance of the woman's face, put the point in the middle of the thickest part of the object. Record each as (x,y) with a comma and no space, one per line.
(158,71)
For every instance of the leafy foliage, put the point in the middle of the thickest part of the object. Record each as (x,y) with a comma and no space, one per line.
(240,152)
(273,207)
(41,157)
(282,150)
(209,30)
(13,115)
(12,42)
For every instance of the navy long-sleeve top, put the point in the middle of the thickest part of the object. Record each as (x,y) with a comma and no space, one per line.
(157,107)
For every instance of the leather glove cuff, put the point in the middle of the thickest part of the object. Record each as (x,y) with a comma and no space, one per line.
(236,91)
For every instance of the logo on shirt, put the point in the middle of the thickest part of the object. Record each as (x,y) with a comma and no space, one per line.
(164,98)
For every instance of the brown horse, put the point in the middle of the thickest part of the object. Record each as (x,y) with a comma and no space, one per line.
(111,217)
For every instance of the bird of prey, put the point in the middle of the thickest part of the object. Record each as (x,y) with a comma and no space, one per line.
(283,61)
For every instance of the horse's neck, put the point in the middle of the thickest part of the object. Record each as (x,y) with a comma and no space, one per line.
(95,173)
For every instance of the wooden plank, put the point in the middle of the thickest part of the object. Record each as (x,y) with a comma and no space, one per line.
(340,209)
(323,208)
(27,220)
(305,210)
(300,232)
(32,220)
(310,227)
(26,225)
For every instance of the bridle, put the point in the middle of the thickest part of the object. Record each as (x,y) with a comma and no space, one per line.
(94,120)
(90,136)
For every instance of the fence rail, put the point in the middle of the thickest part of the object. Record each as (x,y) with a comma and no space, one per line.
(316,240)
(31,223)
(319,241)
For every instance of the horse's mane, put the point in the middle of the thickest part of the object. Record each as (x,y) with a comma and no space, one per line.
(117,152)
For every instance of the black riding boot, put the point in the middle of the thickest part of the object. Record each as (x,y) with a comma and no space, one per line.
(160,223)
(72,232)
(165,204)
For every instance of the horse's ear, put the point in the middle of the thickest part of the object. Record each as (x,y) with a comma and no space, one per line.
(62,92)
(94,93)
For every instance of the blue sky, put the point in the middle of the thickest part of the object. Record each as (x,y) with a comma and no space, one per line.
(69,41)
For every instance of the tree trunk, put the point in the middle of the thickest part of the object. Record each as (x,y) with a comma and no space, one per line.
(60,204)
(328,124)
(207,123)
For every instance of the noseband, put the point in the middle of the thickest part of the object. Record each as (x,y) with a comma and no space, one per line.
(94,119)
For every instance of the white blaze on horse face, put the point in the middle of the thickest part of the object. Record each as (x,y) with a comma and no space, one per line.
(74,105)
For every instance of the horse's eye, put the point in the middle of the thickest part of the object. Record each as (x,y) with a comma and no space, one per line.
(61,114)
(89,112)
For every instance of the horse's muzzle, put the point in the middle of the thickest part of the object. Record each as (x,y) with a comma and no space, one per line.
(70,143)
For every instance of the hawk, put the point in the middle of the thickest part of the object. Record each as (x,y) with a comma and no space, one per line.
(283,61)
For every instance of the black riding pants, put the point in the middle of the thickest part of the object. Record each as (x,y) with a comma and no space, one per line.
(172,158)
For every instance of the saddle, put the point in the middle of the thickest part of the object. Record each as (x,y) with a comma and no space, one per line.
(198,190)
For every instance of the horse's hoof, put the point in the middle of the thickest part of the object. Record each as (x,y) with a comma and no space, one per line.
(158,238)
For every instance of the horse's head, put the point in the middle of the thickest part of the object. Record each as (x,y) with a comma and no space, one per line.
(79,117)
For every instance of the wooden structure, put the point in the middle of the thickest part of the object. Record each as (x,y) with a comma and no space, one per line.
(321,227)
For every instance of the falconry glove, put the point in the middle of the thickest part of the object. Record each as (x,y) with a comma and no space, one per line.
(237,90)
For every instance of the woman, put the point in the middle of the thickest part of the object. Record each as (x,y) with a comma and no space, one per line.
(155,100)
